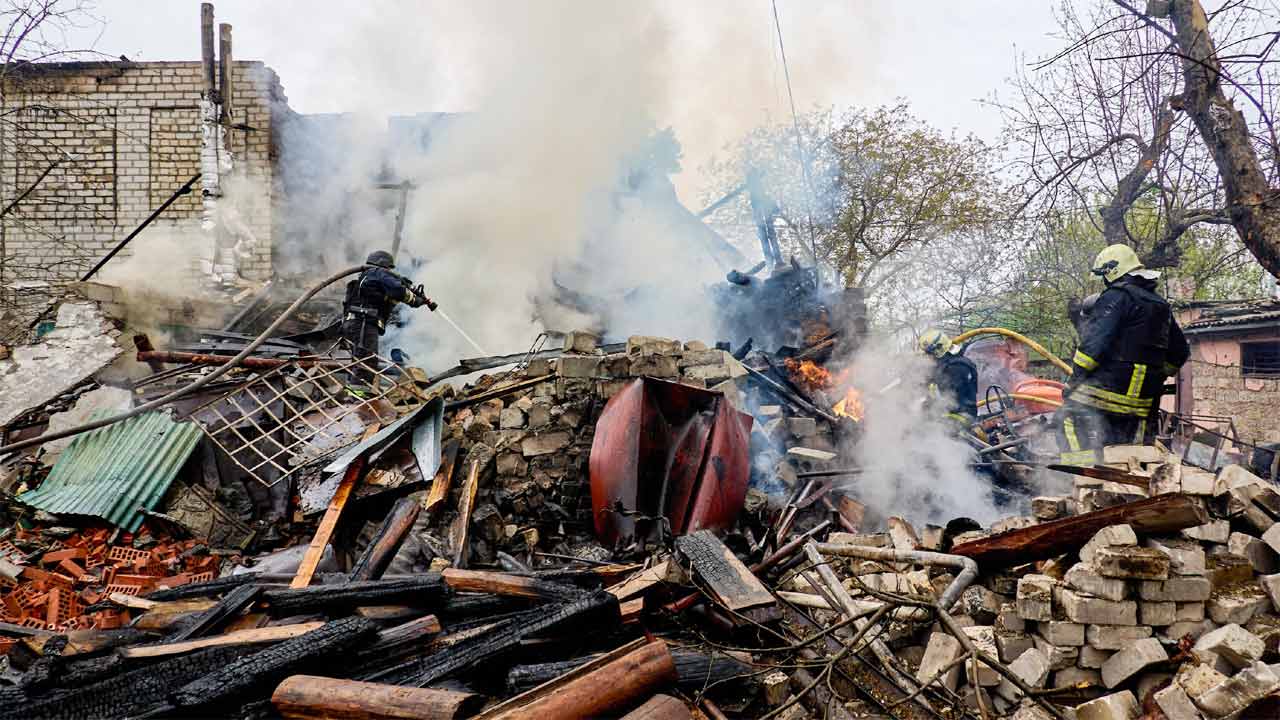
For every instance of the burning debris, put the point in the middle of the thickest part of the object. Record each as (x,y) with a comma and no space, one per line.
(451,543)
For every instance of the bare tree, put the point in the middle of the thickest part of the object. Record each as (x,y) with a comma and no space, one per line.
(1244,147)
(1105,126)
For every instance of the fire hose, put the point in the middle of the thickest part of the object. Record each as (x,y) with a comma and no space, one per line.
(1028,398)
(188,389)
(1059,362)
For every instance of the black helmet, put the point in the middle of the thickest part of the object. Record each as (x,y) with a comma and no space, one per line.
(381,258)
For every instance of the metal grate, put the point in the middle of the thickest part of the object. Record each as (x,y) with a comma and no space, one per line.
(305,411)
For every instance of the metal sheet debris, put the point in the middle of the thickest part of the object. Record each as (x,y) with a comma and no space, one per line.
(119,471)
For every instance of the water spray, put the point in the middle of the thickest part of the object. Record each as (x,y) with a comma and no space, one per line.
(461,332)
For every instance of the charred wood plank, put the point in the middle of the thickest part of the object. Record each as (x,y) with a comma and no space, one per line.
(254,636)
(88,642)
(168,615)
(444,476)
(232,604)
(127,694)
(598,612)
(387,540)
(427,590)
(1161,515)
(329,522)
(460,607)
(396,643)
(509,585)
(462,524)
(730,582)
(694,670)
(263,670)
(203,589)
(308,696)
(610,683)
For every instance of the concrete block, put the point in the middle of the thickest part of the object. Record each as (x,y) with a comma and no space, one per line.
(1195,481)
(1009,620)
(942,650)
(1131,660)
(1272,537)
(1097,611)
(1032,667)
(581,341)
(1113,535)
(578,366)
(1049,507)
(1131,563)
(511,419)
(655,366)
(984,640)
(1228,569)
(1237,605)
(1271,585)
(1085,578)
(1060,656)
(1197,678)
(1238,692)
(1011,645)
(1180,588)
(1115,637)
(1214,531)
(1261,555)
(1158,614)
(1060,632)
(1092,657)
(1186,557)
(1194,630)
(1188,612)
(1029,710)
(1118,706)
(545,443)
(1035,597)
(1237,646)
(1175,704)
(644,345)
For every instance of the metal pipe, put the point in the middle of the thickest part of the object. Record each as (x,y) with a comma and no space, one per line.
(968,567)
(150,218)
(253,363)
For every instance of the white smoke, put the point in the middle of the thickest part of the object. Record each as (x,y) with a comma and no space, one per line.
(912,461)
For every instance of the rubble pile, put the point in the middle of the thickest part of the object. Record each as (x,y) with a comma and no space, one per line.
(644,529)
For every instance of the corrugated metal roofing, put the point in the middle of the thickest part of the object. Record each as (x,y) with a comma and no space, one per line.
(1230,320)
(112,472)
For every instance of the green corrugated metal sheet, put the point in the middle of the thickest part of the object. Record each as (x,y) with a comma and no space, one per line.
(112,472)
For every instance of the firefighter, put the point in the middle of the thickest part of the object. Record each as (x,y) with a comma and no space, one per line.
(955,378)
(371,296)
(1129,344)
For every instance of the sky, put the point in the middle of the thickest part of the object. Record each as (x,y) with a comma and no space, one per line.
(718,59)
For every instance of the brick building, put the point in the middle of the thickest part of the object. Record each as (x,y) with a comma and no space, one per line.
(90,149)
(1234,369)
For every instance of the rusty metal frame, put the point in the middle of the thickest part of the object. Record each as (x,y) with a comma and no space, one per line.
(267,425)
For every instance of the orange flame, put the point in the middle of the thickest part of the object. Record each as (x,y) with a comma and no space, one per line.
(850,405)
(809,375)
(812,376)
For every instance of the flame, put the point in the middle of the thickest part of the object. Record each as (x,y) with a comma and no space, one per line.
(850,405)
(809,375)
(812,376)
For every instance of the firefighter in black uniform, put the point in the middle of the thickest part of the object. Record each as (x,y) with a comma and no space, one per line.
(955,378)
(1129,345)
(370,300)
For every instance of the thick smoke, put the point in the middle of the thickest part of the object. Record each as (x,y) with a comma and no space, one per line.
(911,459)
(547,204)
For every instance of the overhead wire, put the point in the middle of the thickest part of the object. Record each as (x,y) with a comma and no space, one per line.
(804,164)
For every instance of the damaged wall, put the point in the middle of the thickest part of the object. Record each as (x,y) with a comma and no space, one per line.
(121,137)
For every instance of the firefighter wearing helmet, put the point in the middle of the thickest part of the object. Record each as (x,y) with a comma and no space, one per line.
(954,382)
(370,298)
(1129,344)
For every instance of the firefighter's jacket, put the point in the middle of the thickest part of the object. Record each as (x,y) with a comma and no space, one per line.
(1130,344)
(955,383)
(374,293)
